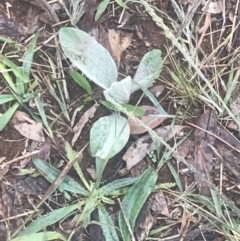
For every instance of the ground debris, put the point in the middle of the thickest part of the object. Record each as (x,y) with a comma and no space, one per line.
(9,28)
(203,154)
(152,117)
(10,207)
(139,149)
(77,129)
(144,222)
(49,15)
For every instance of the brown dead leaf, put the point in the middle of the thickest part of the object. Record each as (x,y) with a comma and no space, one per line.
(44,153)
(3,169)
(27,127)
(118,41)
(158,204)
(157,90)
(149,118)
(138,150)
(203,154)
(82,122)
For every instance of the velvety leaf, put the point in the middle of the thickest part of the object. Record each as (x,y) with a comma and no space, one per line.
(148,69)
(108,136)
(119,91)
(88,56)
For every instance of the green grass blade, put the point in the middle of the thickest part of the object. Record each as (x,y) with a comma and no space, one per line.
(48,219)
(107,225)
(154,101)
(82,81)
(72,155)
(134,200)
(43,236)
(101,8)
(137,111)
(42,114)
(27,61)
(175,176)
(16,70)
(7,77)
(122,4)
(5,118)
(6,98)
(51,173)
(26,67)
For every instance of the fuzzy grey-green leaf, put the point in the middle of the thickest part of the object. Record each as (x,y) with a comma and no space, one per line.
(88,56)
(148,69)
(108,136)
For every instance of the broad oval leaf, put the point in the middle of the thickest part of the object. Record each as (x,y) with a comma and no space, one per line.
(152,117)
(88,56)
(119,91)
(148,69)
(108,136)
(107,225)
(134,200)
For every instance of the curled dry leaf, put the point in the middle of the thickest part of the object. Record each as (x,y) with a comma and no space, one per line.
(118,41)
(27,127)
(150,118)
(138,150)
(203,154)
(82,122)
(157,90)
(158,204)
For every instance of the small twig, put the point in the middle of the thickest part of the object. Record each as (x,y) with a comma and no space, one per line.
(29,154)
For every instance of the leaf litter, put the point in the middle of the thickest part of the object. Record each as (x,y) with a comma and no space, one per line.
(203,154)
(149,118)
(77,129)
(139,149)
